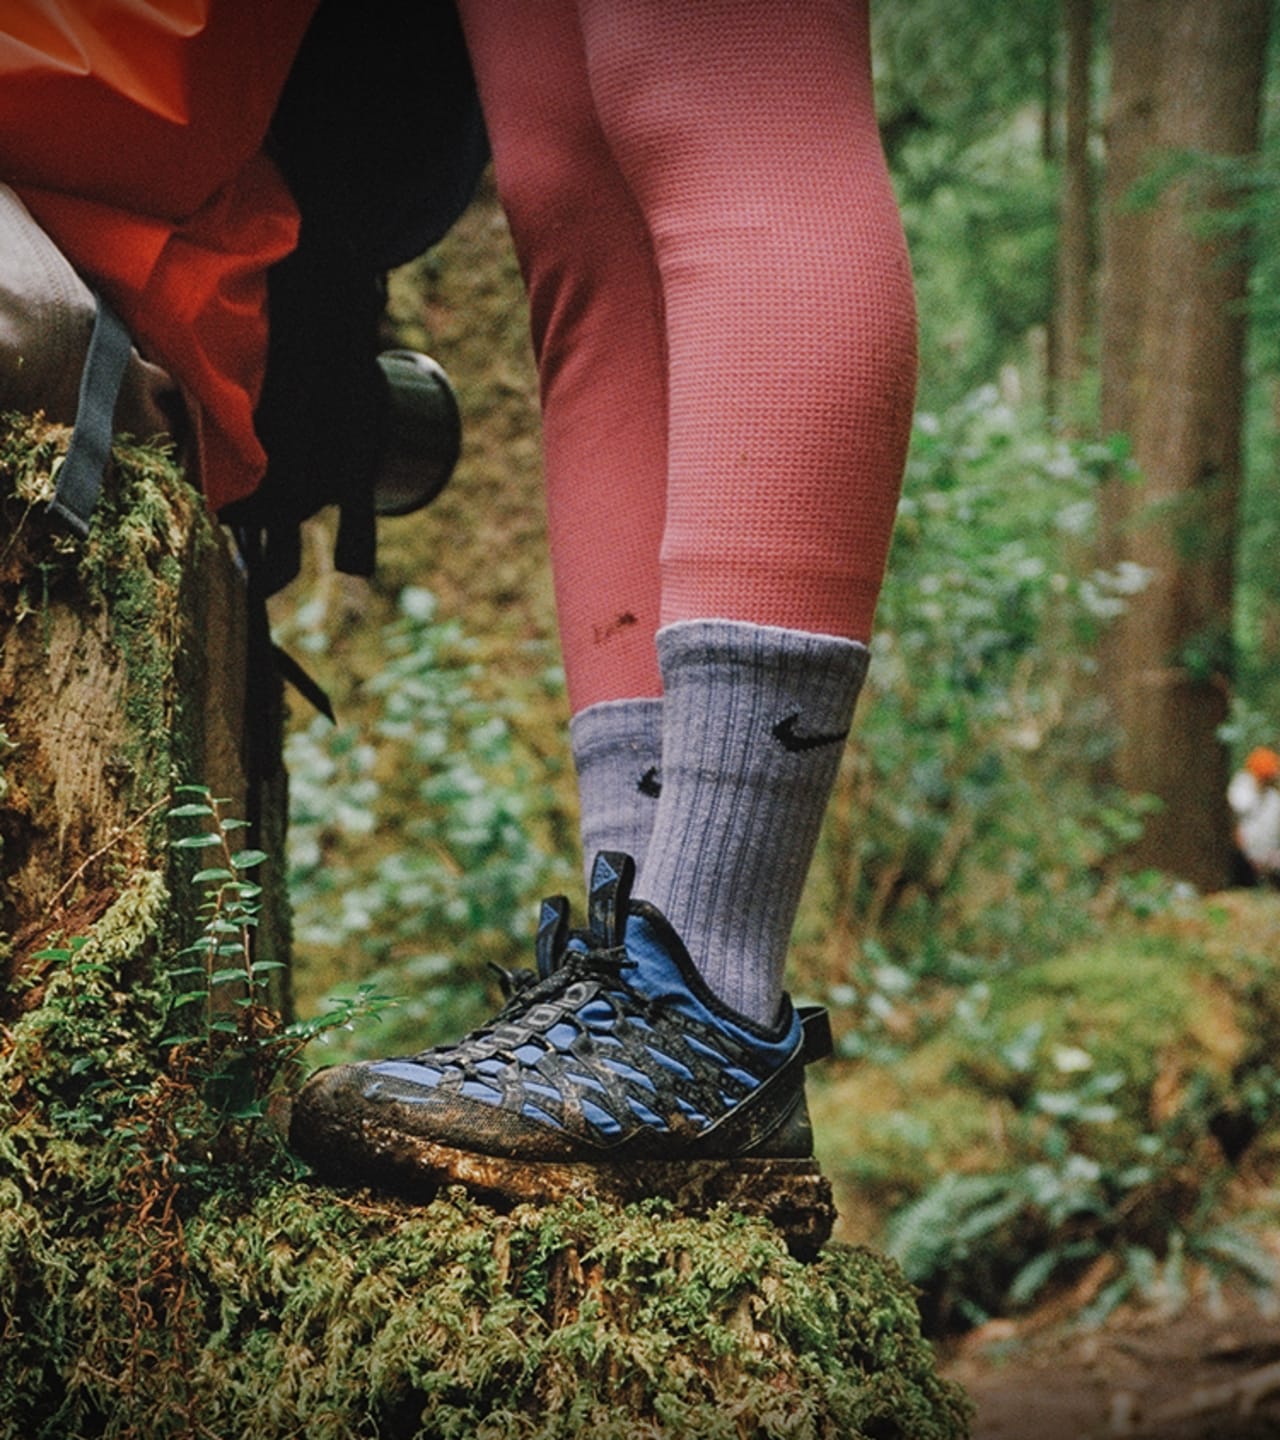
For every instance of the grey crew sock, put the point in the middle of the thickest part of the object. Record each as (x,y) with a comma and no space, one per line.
(754,722)
(617,749)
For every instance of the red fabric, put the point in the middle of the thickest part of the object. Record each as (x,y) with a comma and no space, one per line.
(596,316)
(722,312)
(133,129)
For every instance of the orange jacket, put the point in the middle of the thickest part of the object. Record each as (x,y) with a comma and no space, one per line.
(133,130)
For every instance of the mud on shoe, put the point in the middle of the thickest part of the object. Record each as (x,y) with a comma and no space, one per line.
(612,1071)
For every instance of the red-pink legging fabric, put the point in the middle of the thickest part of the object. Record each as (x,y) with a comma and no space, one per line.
(721,310)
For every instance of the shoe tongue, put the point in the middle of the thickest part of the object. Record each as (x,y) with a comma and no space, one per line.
(609,892)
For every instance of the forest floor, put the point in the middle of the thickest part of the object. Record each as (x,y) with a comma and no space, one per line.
(1210,1372)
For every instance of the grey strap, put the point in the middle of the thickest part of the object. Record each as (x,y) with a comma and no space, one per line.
(80,476)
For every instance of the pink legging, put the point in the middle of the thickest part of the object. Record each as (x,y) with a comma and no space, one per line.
(721,310)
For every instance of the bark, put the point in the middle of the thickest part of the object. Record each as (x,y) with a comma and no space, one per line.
(1077,252)
(1138,32)
(1049,154)
(1186,76)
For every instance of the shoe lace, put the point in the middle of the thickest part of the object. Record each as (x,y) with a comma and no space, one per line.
(525,990)
(517,983)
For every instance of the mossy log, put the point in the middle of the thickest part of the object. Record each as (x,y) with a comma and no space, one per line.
(165,1274)
(167,1269)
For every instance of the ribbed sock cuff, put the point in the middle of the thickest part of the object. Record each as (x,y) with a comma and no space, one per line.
(755,719)
(818,676)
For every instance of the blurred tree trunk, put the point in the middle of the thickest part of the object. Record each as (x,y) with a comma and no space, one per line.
(1049,106)
(1186,76)
(1077,252)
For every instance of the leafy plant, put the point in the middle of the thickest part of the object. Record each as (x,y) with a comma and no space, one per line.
(229,911)
(957,94)
(231,1040)
(1080,1187)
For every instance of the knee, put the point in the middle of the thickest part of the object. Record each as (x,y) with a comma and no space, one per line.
(533,180)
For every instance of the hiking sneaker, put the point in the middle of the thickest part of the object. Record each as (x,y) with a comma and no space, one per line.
(612,1071)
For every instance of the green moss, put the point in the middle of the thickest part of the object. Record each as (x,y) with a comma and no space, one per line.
(885,1134)
(309,1313)
(1174,1009)
(129,569)
(128,582)
(435,1322)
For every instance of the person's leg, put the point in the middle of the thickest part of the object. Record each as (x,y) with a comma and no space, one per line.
(619,1052)
(747,134)
(596,321)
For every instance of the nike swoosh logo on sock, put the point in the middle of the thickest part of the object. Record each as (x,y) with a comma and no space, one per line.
(649,783)
(786,734)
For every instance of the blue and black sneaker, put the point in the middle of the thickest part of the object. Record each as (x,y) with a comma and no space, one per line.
(612,1071)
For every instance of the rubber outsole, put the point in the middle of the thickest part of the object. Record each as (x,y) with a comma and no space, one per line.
(793,1195)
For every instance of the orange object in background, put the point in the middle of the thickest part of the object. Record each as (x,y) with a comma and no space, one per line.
(1263,764)
(133,130)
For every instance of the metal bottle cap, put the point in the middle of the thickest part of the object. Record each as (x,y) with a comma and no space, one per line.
(423,434)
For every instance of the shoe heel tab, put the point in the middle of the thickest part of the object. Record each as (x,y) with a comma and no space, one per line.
(816,1025)
(612,875)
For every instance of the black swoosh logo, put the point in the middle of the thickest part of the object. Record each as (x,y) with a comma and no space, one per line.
(786,734)
(649,783)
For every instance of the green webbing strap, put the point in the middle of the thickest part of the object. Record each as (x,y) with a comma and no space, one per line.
(80,475)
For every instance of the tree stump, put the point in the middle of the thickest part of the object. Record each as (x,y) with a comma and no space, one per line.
(166,1270)
(122,676)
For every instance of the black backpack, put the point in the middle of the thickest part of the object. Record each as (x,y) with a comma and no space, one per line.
(379,135)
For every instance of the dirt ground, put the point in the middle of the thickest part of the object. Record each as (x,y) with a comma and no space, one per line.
(1211,1372)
